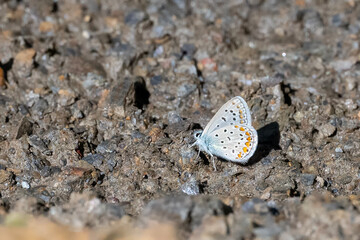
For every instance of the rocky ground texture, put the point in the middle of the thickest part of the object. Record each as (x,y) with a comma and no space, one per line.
(99,101)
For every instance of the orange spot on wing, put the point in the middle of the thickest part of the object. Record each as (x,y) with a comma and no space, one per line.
(241,121)
(247,144)
(245,149)
(249,139)
(242,129)
(247,133)
(236,126)
(239,155)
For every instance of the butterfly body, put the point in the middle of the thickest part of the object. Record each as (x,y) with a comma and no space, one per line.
(229,134)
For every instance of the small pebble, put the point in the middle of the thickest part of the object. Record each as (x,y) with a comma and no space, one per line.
(94,159)
(207,64)
(350,104)
(191,187)
(338,150)
(307,179)
(158,51)
(266,194)
(174,118)
(298,117)
(327,130)
(2,77)
(185,90)
(320,181)
(86,34)
(339,20)
(25,185)
(155,80)
(134,17)
(188,50)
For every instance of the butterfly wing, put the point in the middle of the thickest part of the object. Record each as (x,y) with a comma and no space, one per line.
(233,112)
(235,143)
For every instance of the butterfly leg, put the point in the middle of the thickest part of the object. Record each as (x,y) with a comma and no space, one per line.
(213,161)
(198,154)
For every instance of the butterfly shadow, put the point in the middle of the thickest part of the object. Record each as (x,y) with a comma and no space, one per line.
(268,139)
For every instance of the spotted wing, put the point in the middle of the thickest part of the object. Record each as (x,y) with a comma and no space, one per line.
(235,143)
(234,112)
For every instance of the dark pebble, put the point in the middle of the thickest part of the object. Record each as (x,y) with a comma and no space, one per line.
(137,135)
(174,118)
(185,90)
(40,107)
(47,171)
(155,80)
(94,159)
(45,196)
(339,20)
(134,17)
(23,109)
(307,179)
(108,146)
(37,143)
(25,127)
(188,50)
(111,163)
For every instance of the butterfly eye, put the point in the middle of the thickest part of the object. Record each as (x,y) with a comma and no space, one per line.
(197,134)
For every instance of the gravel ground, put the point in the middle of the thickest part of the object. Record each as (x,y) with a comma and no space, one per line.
(99,101)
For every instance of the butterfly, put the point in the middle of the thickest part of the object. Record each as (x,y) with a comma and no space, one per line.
(229,134)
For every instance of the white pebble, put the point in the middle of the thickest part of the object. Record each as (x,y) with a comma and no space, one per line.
(338,150)
(86,34)
(25,185)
